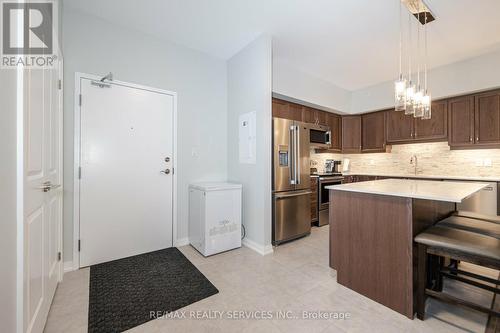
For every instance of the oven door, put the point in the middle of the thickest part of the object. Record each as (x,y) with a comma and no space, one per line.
(324,193)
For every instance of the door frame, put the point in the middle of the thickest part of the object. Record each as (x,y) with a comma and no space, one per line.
(77,144)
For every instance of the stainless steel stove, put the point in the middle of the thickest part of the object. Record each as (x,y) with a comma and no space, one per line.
(326,179)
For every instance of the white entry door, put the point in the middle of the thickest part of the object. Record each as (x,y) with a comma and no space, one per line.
(42,193)
(126,184)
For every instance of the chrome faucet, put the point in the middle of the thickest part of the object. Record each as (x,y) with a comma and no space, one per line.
(414,161)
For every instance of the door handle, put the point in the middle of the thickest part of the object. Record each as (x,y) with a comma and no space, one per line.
(48,186)
(282,196)
(166,171)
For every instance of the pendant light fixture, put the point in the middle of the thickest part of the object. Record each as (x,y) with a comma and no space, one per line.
(419,94)
(400,84)
(410,88)
(426,100)
(411,96)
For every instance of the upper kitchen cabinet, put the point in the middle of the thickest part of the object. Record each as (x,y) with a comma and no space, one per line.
(399,127)
(314,116)
(487,119)
(461,121)
(434,129)
(403,128)
(373,132)
(351,134)
(286,110)
(474,121)
(334,123)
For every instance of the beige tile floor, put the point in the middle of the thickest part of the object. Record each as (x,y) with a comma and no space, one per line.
(295,278)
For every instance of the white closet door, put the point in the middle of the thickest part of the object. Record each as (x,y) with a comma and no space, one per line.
(42,193)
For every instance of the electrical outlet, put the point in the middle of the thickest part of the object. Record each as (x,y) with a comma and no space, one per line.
(487,162)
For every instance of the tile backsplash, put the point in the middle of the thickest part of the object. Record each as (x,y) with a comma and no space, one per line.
(433,159)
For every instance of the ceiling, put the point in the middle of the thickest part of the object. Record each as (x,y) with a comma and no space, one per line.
(352,44)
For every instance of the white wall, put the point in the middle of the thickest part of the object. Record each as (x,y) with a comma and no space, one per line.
(288,81)
(249,89)
(476,74)
(94,46)
(8,223)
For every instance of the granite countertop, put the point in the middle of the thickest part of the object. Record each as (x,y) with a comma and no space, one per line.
(467,178)
(412,188)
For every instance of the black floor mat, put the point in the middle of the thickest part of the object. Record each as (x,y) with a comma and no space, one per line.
(124,292)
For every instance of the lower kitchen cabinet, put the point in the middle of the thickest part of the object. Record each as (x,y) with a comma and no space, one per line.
(351,134)
(373,132)
(314,199)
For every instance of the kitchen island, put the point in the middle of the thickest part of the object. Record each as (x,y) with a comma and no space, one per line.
(372,226)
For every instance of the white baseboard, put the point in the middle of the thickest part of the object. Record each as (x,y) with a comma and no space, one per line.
(68,266)
(260,249)
(182,242)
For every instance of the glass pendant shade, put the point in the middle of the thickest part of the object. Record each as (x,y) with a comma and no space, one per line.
(418,108)
(400,94)
(427,106)
(410,99)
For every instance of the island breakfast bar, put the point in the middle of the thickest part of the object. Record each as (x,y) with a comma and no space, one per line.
(372,227)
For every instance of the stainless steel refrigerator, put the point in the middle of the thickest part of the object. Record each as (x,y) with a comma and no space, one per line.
(291,180)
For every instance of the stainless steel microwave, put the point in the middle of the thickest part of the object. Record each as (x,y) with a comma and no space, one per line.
(320,136)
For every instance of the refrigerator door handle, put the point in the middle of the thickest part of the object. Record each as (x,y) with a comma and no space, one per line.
(293,170)
(296,155)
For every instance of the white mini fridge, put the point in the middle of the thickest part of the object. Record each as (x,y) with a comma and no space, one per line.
(214,217)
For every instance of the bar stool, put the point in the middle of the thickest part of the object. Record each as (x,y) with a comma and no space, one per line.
(473,241)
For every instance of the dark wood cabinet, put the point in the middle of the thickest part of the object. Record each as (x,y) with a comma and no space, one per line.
(286,110)
(373,132)
(474,121)
(399,127)
(461,121)
(467,122)
(335,123)
(487,118)
(403,128)
(351,134)
(436,128)
(314,116)
(314,199)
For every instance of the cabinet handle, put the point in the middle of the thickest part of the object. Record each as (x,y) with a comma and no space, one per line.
(477,138)
(470,138)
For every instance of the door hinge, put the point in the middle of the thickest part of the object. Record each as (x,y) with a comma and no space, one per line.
(79,172)
(59,256)
(173,170)
(80,100)
(59,84)
(79,245)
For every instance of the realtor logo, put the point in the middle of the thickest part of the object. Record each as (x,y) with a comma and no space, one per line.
(27,34)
